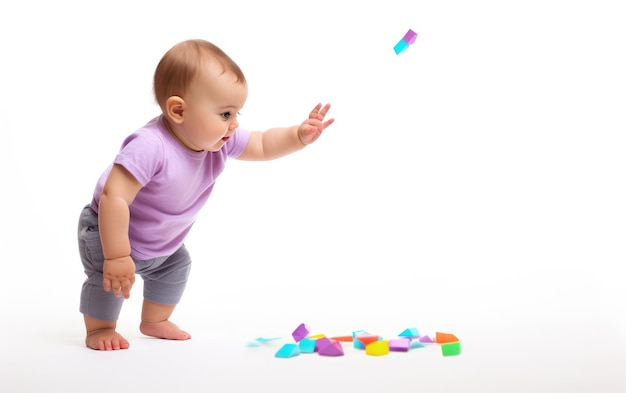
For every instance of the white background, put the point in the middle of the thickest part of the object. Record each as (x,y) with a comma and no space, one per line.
(473,184)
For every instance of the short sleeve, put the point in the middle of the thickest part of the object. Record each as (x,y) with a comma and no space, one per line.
(142,155)
(238,142)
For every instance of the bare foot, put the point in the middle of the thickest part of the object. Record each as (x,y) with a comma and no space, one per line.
(106,340)
(164,329)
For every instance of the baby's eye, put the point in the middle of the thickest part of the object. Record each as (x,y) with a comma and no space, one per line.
(227,115)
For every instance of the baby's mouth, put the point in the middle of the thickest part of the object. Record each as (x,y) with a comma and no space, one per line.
(225,138)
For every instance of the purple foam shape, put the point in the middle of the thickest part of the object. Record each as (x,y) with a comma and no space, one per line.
(425,339)
(301,332)
(330,348)
(320,342)
(410,37)
(400,344)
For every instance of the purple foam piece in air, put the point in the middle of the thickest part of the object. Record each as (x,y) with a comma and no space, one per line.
(301,332)
(410,37)
(400,344)
(330,348)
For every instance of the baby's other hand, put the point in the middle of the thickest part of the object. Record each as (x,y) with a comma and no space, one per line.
(312,128)
(119,275)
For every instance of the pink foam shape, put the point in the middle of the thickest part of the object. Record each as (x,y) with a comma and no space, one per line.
(425,339)
(400,344)
(410,37)
(330,348)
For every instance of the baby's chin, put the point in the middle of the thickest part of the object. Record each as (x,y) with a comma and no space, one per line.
(216,147)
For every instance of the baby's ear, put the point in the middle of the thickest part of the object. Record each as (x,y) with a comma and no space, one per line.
(175,109)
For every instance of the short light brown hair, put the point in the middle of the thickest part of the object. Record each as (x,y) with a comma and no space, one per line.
(181,65)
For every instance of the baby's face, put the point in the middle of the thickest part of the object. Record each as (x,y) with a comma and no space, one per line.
(212,107)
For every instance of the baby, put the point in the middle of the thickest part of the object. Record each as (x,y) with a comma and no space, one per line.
(147,200)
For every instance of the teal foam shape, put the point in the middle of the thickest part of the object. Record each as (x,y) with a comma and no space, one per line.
(307,345)
(410,332)
(400,46)
(416,344)
(266,339)
(288,351)
(356,343)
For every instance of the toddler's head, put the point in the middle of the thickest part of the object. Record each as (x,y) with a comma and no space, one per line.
(181,66)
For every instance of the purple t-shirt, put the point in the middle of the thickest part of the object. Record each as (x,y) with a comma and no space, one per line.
(176,183)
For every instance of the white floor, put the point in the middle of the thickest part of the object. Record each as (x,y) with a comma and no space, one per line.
(539,344)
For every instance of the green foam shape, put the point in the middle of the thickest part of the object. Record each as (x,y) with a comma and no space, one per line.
(451,349)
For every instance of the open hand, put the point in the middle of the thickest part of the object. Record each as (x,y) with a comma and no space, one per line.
(119,275)
(312,128)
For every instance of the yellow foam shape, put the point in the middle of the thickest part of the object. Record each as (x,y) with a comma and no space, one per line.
(377,348)
(316,336)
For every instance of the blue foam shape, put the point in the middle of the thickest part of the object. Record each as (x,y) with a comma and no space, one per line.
(410,332)
(266,339)
(416,344)
(356,343)
(288,351)
(400,46)
(307,345)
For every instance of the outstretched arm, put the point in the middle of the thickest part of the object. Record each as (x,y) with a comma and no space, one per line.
(280,141)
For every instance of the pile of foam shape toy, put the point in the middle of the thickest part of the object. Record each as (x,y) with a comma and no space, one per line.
(371,344)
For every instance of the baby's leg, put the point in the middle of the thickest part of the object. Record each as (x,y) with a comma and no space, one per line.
(102,335)
(155,322)
(99,308)
(164,284)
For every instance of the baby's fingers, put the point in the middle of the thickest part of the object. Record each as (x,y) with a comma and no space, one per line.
(327,123)
(319,112)
(126,286)
(315,112)
(116,285)
(106,284)
(324,110)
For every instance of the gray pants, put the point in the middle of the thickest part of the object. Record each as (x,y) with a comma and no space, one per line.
(164,278)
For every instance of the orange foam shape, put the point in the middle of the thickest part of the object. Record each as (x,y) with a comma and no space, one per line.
(367,338)
(347,339)
(441,338)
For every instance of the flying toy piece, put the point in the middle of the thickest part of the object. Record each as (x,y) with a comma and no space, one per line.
(408,39)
